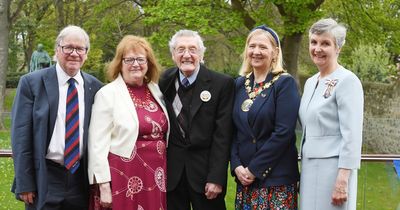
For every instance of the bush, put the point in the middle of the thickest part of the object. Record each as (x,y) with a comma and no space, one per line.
(13,79)
(371,63)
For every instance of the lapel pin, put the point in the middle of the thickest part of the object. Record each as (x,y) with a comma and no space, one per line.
(205,95)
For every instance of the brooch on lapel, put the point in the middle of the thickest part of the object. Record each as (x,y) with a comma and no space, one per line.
(205,95)
(330,84)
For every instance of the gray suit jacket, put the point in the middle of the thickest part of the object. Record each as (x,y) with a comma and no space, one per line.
(34,114)
(332,118)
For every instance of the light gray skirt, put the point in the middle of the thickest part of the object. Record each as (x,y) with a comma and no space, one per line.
(317,181)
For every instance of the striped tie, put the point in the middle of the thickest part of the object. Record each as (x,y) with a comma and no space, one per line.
(185,82)
(71,152)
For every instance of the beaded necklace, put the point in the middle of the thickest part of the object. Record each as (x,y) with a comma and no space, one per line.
(146,104)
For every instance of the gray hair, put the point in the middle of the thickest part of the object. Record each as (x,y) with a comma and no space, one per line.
(72,30)
(187,33)
(329,25)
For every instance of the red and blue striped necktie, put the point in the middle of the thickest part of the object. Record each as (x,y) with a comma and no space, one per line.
(71,151)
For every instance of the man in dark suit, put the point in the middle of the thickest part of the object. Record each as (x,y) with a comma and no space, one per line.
(50,118)
(199,103)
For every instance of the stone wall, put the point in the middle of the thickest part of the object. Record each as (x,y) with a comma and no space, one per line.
(381,132)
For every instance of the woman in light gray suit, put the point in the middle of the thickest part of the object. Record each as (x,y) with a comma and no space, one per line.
(331,114)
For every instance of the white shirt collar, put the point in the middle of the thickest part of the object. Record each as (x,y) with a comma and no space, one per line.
(64,77)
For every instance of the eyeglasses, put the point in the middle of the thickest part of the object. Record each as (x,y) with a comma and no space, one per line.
(131,61)
(69,50)
(190,50)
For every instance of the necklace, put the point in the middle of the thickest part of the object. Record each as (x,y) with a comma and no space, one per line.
(146,104)
(253,93)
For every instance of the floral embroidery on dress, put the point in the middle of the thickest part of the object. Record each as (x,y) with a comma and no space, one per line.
(159,178)
(330,84)
(135,185)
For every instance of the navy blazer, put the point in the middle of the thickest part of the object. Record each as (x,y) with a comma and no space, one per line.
(264,138)
(34,114)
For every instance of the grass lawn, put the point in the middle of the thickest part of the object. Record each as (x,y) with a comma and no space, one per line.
(378,184)
(7,199)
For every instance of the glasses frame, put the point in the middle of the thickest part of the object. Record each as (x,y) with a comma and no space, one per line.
(132,60)
(76,49)
(190,50)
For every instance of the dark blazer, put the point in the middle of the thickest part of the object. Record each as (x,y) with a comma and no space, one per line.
(205,158)
(34,114)
(264,138)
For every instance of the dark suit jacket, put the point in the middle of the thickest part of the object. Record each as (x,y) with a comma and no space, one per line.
(264,138)
(205,158)
(34,114)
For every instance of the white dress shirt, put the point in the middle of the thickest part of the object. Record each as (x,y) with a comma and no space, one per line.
(55,152)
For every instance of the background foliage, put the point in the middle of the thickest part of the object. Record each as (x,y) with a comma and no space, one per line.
(223,24)
(373,42)
(370,63)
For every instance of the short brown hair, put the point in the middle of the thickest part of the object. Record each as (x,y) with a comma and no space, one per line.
(131,42)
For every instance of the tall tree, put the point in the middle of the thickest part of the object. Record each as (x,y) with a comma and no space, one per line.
(6,18)
(294,19)
(33,13)
(233,19)
(368,22)
(4,30)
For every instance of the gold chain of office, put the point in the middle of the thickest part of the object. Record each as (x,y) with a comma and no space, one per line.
(254,93)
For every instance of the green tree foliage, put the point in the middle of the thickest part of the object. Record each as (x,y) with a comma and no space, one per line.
(114,19)
(371,63)
(221,28)
(368,21)
(223,24)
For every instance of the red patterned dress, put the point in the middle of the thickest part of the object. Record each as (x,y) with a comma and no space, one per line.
(139,182)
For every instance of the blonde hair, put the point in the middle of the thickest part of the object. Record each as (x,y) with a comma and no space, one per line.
(277,64)
(128,43)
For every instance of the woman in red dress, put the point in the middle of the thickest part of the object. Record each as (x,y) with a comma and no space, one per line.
(127,134)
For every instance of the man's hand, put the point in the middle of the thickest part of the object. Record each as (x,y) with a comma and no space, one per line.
(212,190)
(27,197)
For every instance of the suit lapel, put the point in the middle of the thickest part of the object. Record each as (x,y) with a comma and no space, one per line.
(125,97)
(244,116)
(258,104)
(51,85)
(87,85)
(169,90)
(312,85)
(202,84)
(260,101)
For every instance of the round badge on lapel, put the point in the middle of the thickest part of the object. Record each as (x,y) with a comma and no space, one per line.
(205,95)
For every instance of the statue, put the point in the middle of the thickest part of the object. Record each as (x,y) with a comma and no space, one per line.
(39,59)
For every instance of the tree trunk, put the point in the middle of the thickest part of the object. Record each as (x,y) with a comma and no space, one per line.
(4,36)
(290,49)
(237,6)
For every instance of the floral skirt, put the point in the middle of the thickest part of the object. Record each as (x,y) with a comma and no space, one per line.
(252,197)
